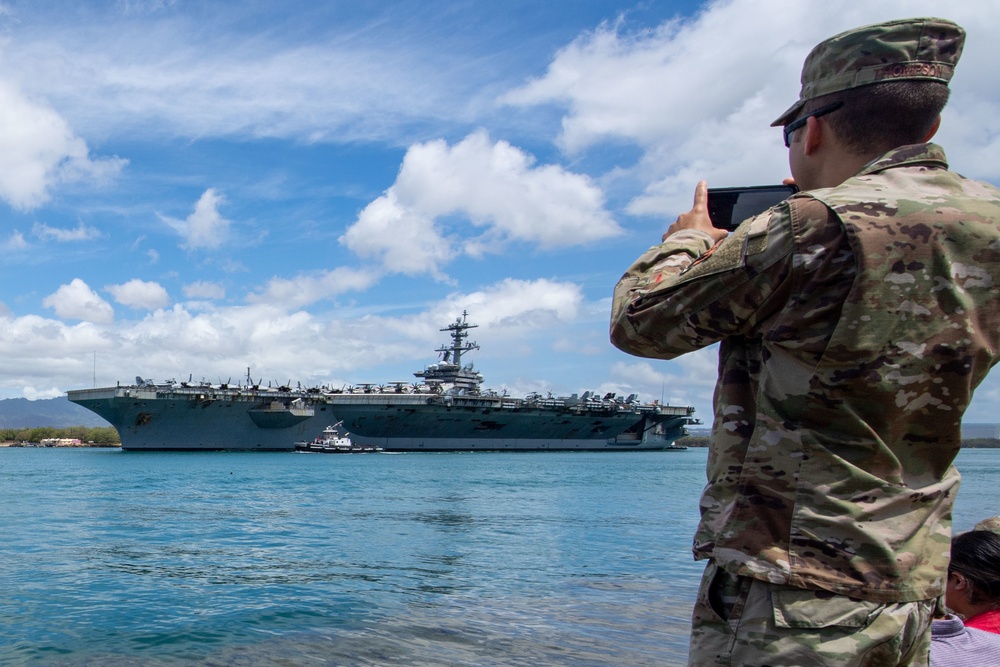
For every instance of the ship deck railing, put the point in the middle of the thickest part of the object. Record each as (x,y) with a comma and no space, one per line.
(470,399)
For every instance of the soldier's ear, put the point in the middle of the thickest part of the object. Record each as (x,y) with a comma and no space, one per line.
(934,128)
(813,135)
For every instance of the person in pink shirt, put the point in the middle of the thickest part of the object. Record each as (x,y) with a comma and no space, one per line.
(973,589)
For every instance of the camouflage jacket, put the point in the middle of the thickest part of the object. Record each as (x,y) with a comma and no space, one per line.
(854,324)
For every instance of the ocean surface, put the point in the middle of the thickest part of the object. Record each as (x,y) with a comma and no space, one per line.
(222,558)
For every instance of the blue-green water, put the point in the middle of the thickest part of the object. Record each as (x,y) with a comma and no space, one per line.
(132,558)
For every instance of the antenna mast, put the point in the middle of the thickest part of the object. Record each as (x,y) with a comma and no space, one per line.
(459,332)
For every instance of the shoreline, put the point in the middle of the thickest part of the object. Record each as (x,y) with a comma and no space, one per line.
(37,445)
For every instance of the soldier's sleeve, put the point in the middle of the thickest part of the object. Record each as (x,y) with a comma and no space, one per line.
(686,293)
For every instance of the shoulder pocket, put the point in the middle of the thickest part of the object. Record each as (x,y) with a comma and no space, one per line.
(731,253)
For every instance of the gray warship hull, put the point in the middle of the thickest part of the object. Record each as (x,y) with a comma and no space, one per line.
(193,419)
(447,411)
(190,419)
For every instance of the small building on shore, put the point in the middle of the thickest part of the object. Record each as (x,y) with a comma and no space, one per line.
(60,442)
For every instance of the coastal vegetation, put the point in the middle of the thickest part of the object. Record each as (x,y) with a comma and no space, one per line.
(100,436)
(969,443)
(981,443)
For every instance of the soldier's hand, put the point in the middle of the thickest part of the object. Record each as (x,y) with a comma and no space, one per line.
(697,217)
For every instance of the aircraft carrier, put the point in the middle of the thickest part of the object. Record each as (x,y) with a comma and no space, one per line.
(446,409)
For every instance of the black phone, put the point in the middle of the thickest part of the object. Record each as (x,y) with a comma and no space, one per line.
(728,207)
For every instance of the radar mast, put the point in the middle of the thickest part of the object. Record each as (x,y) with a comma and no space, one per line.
(459,332)
(450,370)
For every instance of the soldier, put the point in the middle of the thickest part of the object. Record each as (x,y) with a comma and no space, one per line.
(855,319)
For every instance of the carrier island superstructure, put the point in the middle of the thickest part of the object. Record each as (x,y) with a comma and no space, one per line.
(446,409)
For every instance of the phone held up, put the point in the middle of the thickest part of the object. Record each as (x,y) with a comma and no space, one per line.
(728,207)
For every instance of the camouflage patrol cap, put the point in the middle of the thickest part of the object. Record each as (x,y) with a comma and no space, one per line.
(923,49)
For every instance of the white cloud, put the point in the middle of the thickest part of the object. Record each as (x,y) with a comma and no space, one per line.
(194,76)
(15,241)
(653,86)
(145,6)
(498,185)
(306,289)
(404,240)
(81,233)
(205,227)
(76,301)
(517,304)
(140,294)
(491,185)
(38,150)
(574,346)
(203,289)
(33,394)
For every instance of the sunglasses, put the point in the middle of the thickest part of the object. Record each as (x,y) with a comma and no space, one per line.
(796,124)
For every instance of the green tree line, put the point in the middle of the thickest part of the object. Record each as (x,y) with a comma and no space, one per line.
(101,435)
(972,443)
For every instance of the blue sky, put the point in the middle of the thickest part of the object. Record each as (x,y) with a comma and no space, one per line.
(312,190)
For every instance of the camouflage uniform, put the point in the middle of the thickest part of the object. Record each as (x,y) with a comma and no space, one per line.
(992,524)
(854,322)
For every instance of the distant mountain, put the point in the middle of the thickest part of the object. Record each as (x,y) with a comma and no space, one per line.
(55,412)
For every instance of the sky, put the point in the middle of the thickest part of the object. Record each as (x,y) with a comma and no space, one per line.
(307,192)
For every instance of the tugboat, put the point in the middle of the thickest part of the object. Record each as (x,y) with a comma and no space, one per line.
(332,442)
